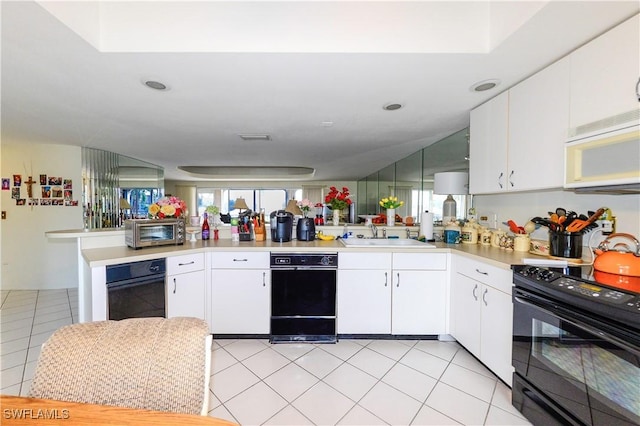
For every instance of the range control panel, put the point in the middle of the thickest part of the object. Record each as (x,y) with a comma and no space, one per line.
(572,285)
(300,260)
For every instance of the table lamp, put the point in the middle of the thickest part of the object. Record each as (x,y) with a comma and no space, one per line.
(292,207)
(450,183)
(240,204)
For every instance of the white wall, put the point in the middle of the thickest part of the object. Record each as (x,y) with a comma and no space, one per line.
(521,207)
(29,259)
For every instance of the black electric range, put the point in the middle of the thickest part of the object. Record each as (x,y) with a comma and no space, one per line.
(614,297)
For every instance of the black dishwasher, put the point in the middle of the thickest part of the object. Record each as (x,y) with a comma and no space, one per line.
(136,289)
(303,297)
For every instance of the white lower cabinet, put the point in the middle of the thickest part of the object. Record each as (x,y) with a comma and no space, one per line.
(186,286)
(364,293)
(419,303)
(240,293)
(497,332)
(482,313)
(185,295)
(385,293)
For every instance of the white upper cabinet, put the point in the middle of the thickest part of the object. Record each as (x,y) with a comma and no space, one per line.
(605,73)
(489,131)
(538,124)
(517,137)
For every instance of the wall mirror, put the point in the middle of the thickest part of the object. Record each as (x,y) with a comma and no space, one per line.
(411,179)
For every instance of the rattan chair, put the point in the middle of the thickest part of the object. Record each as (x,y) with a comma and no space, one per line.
(149,363)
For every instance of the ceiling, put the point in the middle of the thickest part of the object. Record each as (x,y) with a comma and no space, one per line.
(314,75)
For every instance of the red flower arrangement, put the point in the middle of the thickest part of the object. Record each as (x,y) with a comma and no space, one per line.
(338,200)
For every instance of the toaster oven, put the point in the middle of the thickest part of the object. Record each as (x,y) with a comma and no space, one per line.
(140,233)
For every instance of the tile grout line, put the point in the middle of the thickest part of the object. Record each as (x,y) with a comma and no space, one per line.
(33,319)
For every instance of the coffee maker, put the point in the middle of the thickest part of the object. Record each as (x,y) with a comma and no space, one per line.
(305,229)
(281,226)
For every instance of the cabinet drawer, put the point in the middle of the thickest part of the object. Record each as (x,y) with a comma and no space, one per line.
(240,260)
(420,261)
(493,276)
(364,260)
(185,263)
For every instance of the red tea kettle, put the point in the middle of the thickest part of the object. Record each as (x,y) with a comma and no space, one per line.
(618,258)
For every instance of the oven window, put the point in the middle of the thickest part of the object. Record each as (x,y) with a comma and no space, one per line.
(608,375)
(156,232)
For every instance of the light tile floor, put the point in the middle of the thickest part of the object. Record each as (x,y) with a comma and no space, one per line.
(353,382)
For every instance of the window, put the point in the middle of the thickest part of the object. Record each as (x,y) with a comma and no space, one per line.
(256,199)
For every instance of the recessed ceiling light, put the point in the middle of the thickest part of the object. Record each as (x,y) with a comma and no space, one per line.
(155,85)
(247,137)
(482,86)
(392,107)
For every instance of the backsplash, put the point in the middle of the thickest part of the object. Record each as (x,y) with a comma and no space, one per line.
(521,207)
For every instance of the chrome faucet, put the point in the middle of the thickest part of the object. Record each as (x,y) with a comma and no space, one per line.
(384,232)
(374,231)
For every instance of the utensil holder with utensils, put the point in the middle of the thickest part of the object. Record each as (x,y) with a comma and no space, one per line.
(566,245)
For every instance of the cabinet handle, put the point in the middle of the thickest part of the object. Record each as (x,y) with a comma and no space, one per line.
(480,272)
(638,89)
(386,279)
(484,295)
(500,179)
(185,264)
(264,279)
(475,296)
(240,260)
(510,176)
(398,283)
(174,286)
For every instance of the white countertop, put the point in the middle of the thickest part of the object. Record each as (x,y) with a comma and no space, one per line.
(114,255)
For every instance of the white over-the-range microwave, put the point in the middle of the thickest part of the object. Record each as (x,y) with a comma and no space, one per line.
(605,159)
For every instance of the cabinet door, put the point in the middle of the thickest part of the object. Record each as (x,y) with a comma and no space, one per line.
(364,302)
(497,331)
(418,302)
(538,125)
(185,295)
(488,146)
(604,74)
(240,301)
(465,312)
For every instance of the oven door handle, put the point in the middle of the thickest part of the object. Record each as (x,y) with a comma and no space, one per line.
(549,310)
(135,282)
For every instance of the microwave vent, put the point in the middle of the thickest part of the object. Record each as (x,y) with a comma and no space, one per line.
(629,118)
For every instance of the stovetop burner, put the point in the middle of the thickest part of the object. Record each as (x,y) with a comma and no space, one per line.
(609,295)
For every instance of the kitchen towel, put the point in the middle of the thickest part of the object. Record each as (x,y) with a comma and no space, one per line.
(426,225)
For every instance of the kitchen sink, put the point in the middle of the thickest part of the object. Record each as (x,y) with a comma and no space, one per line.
(385,242)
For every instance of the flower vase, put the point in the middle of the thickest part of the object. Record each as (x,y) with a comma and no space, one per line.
(391,217)
(336,217)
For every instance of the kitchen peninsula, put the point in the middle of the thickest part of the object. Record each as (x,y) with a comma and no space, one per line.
(360,270)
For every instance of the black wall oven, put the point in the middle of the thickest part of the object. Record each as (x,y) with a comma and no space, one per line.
(303,297)
(576,349)
(136,289)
